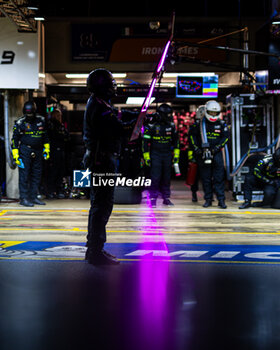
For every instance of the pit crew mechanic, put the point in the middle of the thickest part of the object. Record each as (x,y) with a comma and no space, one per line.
(209,155)
(30,144)
(160,148)
(266,176)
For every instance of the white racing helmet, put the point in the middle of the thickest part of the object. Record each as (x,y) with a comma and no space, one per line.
(212,111)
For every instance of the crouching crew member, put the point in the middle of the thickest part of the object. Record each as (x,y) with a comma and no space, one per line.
(208,136)
(160,149)
(29,145)
(266,176)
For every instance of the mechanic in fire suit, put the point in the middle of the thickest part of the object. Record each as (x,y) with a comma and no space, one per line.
(208,136)
(30,144)
(103,132)
(266,176)
(160,149)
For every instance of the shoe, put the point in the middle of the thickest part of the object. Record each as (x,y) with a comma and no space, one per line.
(100,257)
(153,203)
(245,205)
(207,203)
(222,204)
(167,201)
(194,197)
(38,201)
(26,203)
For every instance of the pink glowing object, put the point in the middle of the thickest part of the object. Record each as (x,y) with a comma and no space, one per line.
(153,84)
(163,57)
(140,120)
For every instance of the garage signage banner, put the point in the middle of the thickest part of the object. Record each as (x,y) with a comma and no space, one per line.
(19,61)
(150,50)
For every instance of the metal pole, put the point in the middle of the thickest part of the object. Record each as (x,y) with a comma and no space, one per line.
(8,152)
(246,56)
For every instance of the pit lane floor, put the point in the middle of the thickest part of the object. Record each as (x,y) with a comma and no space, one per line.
(189,278)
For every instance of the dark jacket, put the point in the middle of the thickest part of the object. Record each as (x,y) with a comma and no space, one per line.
(217,134)
(161,137)
(30,132)
(103,130)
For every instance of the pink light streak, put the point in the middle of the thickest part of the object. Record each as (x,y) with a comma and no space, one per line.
(152,86)
(162,60)
(149,96)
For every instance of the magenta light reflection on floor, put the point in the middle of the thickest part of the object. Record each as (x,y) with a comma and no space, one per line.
(154,284)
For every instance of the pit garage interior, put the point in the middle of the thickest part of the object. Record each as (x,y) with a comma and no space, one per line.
(190,277)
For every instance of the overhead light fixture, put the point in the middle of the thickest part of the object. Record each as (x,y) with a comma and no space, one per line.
(33,8)
(276,22)
(76,76)
(84,76)
(262,73)
(119,75)
(39,18)
(138,101)
(171,85)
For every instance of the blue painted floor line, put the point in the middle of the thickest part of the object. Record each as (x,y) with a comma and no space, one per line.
(184,253)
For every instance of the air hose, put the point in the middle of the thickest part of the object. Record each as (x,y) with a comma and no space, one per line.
(251,152)
(227,163)
(243,159)
(207,155)
(203,131)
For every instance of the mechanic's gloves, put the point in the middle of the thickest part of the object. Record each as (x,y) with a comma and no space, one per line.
(15,153)
(46,151)
(147,158)
(176,155)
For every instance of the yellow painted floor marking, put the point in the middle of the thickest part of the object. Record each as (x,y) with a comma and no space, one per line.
(148,211)
(197,232)
(40,229)
(6,244)
(198,212)
(48,210)
(159,232)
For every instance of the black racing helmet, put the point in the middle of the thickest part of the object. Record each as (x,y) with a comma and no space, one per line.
(165,112)
(29,109)
(101,83)
(276,157)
